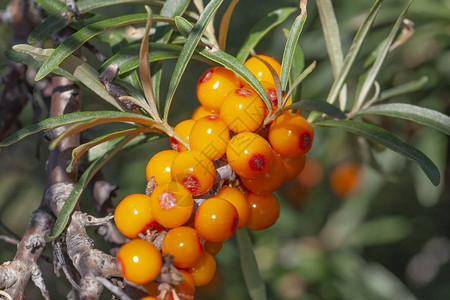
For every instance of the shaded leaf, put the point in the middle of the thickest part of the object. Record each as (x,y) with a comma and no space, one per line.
(255,284)
(408,87)
(188,50)
(262,28)
(319,106)
(384,137)
(421,115)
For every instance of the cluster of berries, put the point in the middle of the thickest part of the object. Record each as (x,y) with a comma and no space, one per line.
(195,206)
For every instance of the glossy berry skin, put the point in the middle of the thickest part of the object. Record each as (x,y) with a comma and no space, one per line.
(264,211)
(210,136)
(194,171)
(242,110)
(214,85)
(260,70)
(185,244)
(139,261)
(270,180)
(272,94)
(216,220)
(292,166)
(235,197)
(212,247)
(201,112)
(159,166)
(149,298)
(182,129)
(291,135)
(248,154)
(171,204)
(344,178)
(133,215)
(204,270)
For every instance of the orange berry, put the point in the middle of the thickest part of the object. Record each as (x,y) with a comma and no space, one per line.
(210,136)
(149,298)
(194,171)
(264,211)
(184,244)
(242,110)
(203,271)
(292,165)
(291,135)
(249,154)
(159,166)
(272,94)
(270,180)
(182,129)
(212,247)
(214,85)
(171,204)
(216,220)
(185,290)
(201,112)
(133,215)
(139,261)
(235,197)
(260,70)
(344,178)
(311,174)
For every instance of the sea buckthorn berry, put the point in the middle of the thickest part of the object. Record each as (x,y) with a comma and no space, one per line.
(345,178)
(260,70)
(182,129)
(184,244)
(214,85)
(311,174)
(210,136)
(212,247)
(204,269)
(201,112)
(159,166)
(149,298)
(216,220)
(270,180)
(291,135)
(171,204)
(139,261)
(242,110)
(272,94)
(264,211)
(186,289)
(292,165)
(248,154)
(194,170)
(133,215)
(235,197)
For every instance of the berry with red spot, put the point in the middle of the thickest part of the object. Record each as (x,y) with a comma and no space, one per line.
(214,85)
(216,220)
(242,110)
(184,244)
(159,166)
(194,171)
(248,154)
(210,136)
(201,112)
(139,261)
(182,129)
(291,135)
(133,215)
(171,204)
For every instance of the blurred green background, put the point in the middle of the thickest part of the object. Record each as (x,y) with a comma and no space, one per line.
(389,239)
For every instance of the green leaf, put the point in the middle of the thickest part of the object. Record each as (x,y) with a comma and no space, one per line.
(262,28)
(421,115)
(409,87)
(291,44)
(353,52)
(50,25)
(387,139)
(298,80)
(79,69)
(111,116)
(188,50)
(317,105)
(373,72)
(71,201)
(77,39)
(255,284)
